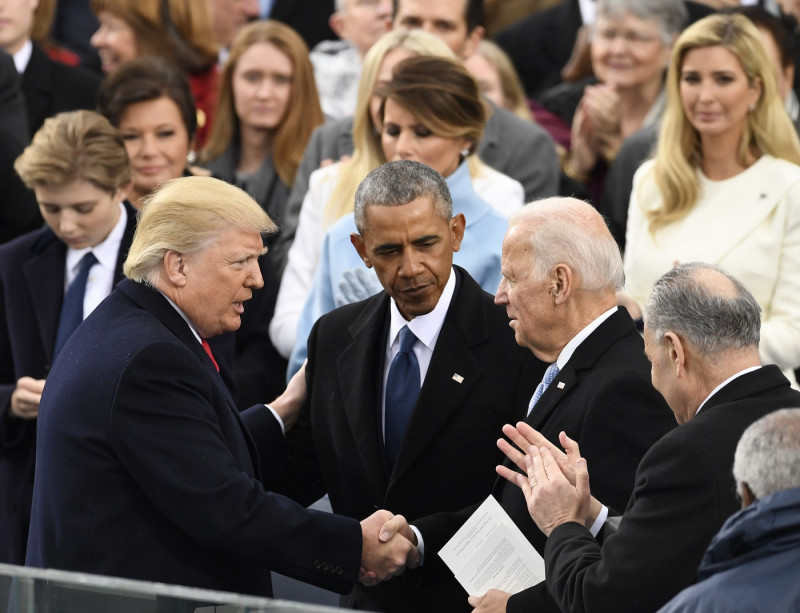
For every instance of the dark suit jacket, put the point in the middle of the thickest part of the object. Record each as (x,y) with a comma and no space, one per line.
(607,404)
(684,492)
(146,470)
(18,211)
(309,18)
(520,149)
(51,87)
(31,293)
(448,455)
(540,45)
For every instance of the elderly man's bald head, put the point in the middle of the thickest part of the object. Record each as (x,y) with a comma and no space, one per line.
(572,232)
(705,306)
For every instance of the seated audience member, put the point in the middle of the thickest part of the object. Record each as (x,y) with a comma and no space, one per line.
(432,113)
(151,104)
(178,31)
(50,279)
(497,78)
(19,213)
(724,186)
(751,564)
(145,469)
(363,436)
(268,107)
(337,63)
(443,137)
(630,47)
(780,43)
(701,336)
(561,268)
(49,86)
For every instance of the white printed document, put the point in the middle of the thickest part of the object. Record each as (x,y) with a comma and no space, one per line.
(490,552)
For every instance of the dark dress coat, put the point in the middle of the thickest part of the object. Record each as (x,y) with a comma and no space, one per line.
(146,470)
(607,404)
(478,380)
(684,493)
(51,87)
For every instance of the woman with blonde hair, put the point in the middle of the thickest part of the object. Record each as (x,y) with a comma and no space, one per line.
(178,31)
(724,186)
(268,107)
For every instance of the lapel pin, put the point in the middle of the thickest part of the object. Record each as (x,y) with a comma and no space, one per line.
(560,385)
(457,378)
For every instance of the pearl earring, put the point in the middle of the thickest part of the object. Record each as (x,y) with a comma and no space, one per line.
(191,157)
(751,108)
(464,153)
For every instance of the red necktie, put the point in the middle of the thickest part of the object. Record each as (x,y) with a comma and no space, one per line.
(207,348)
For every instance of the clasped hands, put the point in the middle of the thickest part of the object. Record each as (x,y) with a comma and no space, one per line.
(388,547)
(555,483)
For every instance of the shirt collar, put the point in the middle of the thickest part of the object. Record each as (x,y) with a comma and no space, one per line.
(105,252)
(425,327)
(23,56)
(574,343)
(724,383)
(183,316)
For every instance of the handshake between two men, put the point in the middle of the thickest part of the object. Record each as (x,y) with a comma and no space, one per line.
(388,547)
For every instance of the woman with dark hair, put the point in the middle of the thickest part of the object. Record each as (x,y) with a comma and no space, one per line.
(152,106)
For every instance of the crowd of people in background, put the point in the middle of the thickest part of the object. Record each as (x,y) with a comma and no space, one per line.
(590,151)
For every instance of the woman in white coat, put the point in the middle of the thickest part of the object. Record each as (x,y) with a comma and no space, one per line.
(724,186)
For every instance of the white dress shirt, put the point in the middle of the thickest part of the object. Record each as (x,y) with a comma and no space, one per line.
(101,276)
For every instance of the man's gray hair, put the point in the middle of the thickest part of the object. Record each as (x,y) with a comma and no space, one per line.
(397,183)
(712,321)
(572,232)
(767,457)
(670,16)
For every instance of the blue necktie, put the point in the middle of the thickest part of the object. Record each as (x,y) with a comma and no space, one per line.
(72,308)
(549,375)
(402,391)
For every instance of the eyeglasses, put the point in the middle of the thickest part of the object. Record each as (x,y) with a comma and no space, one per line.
(631,37)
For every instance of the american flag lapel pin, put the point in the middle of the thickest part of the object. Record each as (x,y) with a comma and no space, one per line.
(457,378)
(560,385)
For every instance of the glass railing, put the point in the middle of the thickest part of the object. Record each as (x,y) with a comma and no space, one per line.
(33,590)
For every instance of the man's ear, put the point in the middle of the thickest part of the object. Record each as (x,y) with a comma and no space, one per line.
(175,269)
(457,225)
(358,243)
(561,283)
(473,39)
(338,24)
(748,497)
(676,351)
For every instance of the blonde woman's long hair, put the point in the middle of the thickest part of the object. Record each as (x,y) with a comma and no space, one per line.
(768,129)
(367,152)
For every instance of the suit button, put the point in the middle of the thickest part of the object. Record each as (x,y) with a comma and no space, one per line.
(324,566)
(339,570)
(317,564)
